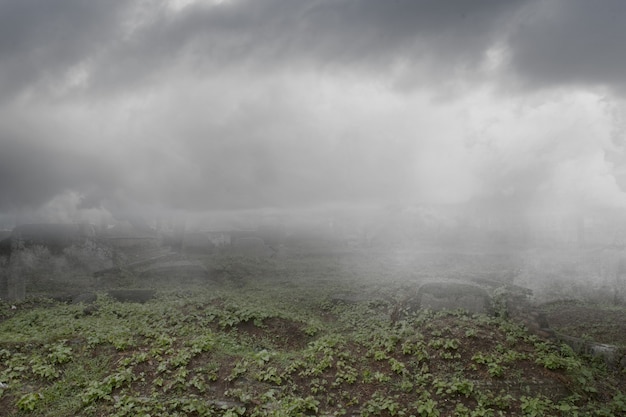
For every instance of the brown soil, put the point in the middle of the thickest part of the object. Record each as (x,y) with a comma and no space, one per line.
(276,332)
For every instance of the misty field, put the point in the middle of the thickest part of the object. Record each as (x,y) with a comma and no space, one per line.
(311,332)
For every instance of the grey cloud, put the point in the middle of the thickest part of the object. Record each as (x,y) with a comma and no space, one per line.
(33,172)
(40,40)
(269,156)
(571,42)
(244,145)
(263,155)
(356,34)
(44,39)
(556,42)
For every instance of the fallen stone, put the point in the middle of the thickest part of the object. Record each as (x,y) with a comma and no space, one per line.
(85,298)
(90,309)
(611,355)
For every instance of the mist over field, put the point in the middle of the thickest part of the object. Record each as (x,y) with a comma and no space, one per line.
(313,207)
(471,124)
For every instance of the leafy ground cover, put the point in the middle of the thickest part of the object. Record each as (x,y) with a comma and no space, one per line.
(272,338)
(598,322)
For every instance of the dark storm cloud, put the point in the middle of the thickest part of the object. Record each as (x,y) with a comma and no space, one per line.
(40,40)
(32,173)
(349,32)
(367,35)
(256,103)
(126,44)
(570,43)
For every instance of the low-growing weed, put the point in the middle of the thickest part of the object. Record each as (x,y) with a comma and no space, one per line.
(30,401)
(534,406)
(380,403)
(256,350)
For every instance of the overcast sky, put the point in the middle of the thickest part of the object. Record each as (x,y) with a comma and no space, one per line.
(245,104)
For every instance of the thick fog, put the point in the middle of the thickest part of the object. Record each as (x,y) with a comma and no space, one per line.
(149,106)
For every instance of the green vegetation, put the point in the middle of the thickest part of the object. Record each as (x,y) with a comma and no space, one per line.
(593,321)
(282,344)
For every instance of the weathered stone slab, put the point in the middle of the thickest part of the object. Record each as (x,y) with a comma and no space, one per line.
(85,298)
(612,355)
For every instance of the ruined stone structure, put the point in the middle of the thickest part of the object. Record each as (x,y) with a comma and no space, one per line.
(51,238)
(198,242)
(128,238)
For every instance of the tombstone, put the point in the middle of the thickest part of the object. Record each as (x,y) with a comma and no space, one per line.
(452,296)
